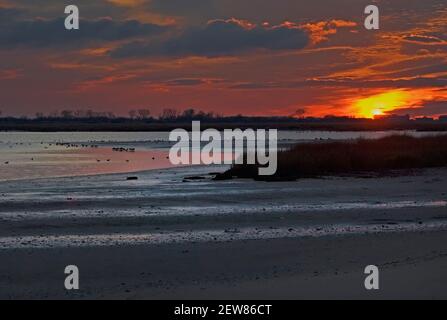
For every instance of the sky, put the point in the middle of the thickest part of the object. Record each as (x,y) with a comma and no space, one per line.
(252,57)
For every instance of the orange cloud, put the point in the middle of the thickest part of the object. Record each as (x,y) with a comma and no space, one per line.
(96,51)
(89,84)
(9,74)
(320,31)
(127,3)
(239,22)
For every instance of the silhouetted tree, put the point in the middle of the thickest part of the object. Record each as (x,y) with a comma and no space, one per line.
(189,113)
(168,114)
(299,113)
(144,113)
(132,114)
(110,115)
(67,114)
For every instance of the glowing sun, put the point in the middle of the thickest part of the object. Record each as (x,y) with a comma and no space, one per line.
(380,104)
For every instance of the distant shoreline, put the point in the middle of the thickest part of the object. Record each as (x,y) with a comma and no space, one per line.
(154,125)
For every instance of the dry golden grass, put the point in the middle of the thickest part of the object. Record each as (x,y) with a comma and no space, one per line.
(352,157)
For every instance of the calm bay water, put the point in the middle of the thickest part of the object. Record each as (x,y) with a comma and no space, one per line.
(26,155)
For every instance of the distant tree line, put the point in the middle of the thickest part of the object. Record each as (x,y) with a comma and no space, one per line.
(168,114)
(173,115)
(141,119)
(141,114)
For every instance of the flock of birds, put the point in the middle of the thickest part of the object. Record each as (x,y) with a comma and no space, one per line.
(124,149)
(75,146)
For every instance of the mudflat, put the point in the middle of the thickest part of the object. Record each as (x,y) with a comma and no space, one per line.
(161,238)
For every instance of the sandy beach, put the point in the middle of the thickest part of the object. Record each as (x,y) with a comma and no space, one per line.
(163,237)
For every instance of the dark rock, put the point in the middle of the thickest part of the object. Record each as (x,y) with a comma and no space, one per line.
(223,176)
(195,178)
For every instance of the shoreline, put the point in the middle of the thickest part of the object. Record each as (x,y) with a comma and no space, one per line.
(25,180)
(128,125)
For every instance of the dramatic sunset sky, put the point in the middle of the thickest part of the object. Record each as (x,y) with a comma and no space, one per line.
(255,57)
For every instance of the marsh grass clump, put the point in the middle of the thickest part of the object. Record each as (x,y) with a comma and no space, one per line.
(397,152)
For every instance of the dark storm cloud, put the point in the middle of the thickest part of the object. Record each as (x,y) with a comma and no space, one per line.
(189,8)
(52,8)
(219,38)
(432,108)
(15,32)
(254,10)
(421,70)
(9,14)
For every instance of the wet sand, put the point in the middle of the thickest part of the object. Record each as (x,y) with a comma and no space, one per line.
(162,238)
(413,265)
